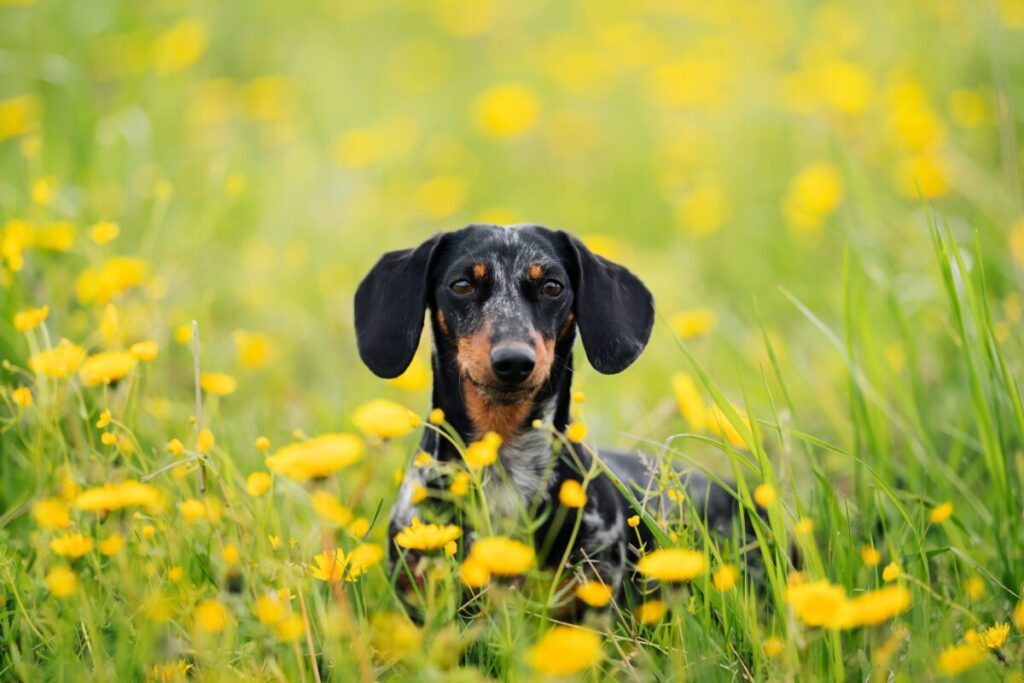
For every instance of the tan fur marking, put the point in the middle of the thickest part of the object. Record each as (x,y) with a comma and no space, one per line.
(544,349)
(536,272)
(567,325)
(479,270)
(442,323)
(488,416)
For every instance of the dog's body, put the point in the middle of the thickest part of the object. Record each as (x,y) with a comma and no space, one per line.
(505,305)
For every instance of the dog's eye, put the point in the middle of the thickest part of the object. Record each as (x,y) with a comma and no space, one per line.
(552,288)
(462,286)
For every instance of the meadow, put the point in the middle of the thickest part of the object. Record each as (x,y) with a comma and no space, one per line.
(825,199)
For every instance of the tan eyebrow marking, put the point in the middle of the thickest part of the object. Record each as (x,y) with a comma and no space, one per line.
(442,322)
(479,270)
(536,271)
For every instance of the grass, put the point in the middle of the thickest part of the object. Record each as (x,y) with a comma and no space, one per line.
(824,200)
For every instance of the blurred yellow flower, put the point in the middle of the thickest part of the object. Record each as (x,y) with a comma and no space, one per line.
(148,532)
(506,110)
(474,573)
(58,236)
(924,174)
(704,209)
(144,350)
(957,659)
(317,457)
(419,493)
(415,378)
(104,231)
(725,577)
(229,553)
(175,574)
(502,556)
(594,593)
(183,333)
(43,191)
(180,46)
(804,526)
(650,612)
(22,397)
(18,115)
(941,513)
(290,628)
(61,581)
(105,419)
(99,284)
(205,441)
(108,438)
(30,318)
(59,362)
(426,537)
(773,646)
(975,587)
(765,495)
(257,483)
(439,197)
(262,443)
(108,497)
(814,194)
(192,510)
(465,18)
(870,555)
(874,607)
(269,608)
(1018,615)
(383,418)
(672,564)
(211,616)
(436,416)
(576,432)
(565,650)
(633,521)
(112,544)
(359,527)
(689,401)
(51,513)
(460,484)
(483,452)
(175,447)
(218,383)
(71,546)
(393,636)
(253,349)
(363,557)
(818,603)
(696,322)
(994,637)
(891,572)
(571,494)
(106,367)
(330,509)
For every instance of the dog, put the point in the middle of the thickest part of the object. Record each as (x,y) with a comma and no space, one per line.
(505,307)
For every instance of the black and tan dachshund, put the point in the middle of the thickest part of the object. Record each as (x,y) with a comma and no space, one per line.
(505,306)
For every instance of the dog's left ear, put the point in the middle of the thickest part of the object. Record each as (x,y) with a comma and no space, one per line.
(389,309)
(614,310)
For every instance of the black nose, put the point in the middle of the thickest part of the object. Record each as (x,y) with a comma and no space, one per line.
(512,363)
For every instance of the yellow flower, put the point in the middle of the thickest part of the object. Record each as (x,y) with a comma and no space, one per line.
(51,513)
(450,548)
(975,587)
(565,650)
(651,611)
(106,367)
(22,397)
(257,484)
(764,495)
(269,609)
(359,527)
(696,322)
(941,513)
(436,416)
(633,521)
(419,494)
(205,441)
(316,457)
(59,237)
(128,493)
(773,647)
(415,378)
(870,555)
(594,593)
(61,581)
(211,616)
(956,659)
(874,607)
(18,115)
(502,555)
(108,438)
(59,362)
(576,432)
(506,110)
(329,566)
(819,603)
(460,484)
(891,572)
(104,231)
(176,574)
(105,419)
(474,573)
(571,494)
(148,532)
(230,554)
(689,401)
(421,536)
(183,333)
(1018,615)
(328,508)
(180,46)
(394,636)
(383,418)
(44,190)
(144,350)
(725,577)
(218,383)
(72,546)
(192,510)
(253,349)
(813,194)
(704,209)
(483,452)
(422,459)
(175,447)
(995,636)
(363,557)
(30,318)
(100,284)
(439,197)
(672,564)
(112,544)
(262,443)
(290,628)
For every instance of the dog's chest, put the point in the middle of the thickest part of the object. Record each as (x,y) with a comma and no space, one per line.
(511,487)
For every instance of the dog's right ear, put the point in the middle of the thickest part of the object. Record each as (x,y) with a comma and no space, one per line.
(389,308)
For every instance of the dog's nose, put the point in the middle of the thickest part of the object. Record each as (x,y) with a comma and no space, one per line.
(513,363)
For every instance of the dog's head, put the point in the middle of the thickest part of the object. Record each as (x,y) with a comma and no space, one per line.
(504,297)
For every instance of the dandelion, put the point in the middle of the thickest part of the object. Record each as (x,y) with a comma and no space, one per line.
(362,558)
(975,587)
(725,577)
(394,636)
(269,609)
(111,545)
(72,546)
(941,513)
(1018,615)
(108,438)
(104,420)
(870,555)
(316,458)
(565,650)
(61,581)
(328,508)
(819,603)
(419,493)
(503,556)
(689,401)
(218,383)
(359,527)
(175,447)
(59,362)
(576,432)
(482,453)
(229,553)
(22,397)
(180,46)
(51,513)
(103,232)
(253,349)
(18,115)
(205,441)
(506,110)
(572,494)
(474,573)
(813,194)
(290,628)
(126,494)
(697,322)
(257,483)
(764,495)
(427,537)
(594,593)
(460,485)
(106,367)
(382,418)
(804,526)
(672,564)
(211,616)
(633,521)
(875,607)
(995,636)
(891,572)
(329,566)
(100,284)
(436,416)
(183,333)
(192,510)
(957,659)
(262,443)
(145,351)
(773,647)
(148,532)
(30,318)
(650,612)
(422,459)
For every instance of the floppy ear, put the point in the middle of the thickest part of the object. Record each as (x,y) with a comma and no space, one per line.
(389,308)
(614,310)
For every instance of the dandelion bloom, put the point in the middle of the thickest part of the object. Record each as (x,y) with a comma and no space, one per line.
(61,581)
(59,362)
(253,349)
(218,383)
(819,603)
(725,577)
(192,510)
(672,564)
(30,318)
(891,572)
(100,284)
(503,556)
(205,441)
(419,494)
(506,110)
(211,616)
(422,459)
(329,566)
(71,546)
(269,608)
(474,573)
(875,607)
(804,526)
(128,493)
(764,495)
(576,432)
(359,527)
(957,659)
(290,628)
(262,443)
(594,593)
(421,536)
(111,545)
(144,350)
(436,416)
(103,232)
(415,378)
(565,650)
(394,637)
(332,566)
(316,457)
(995,636)
(650,612)
(330,509)
(106,367)
(813,194)
(941,513)
(689,401)
(696,322)
(633,521)
(257,483)
(51,513)
(870,555)
(975,587)
(1018,615)
(773,646)
(483,452)
(572,494)
(22,397)
(383,418)
(460,485)
(362,558)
